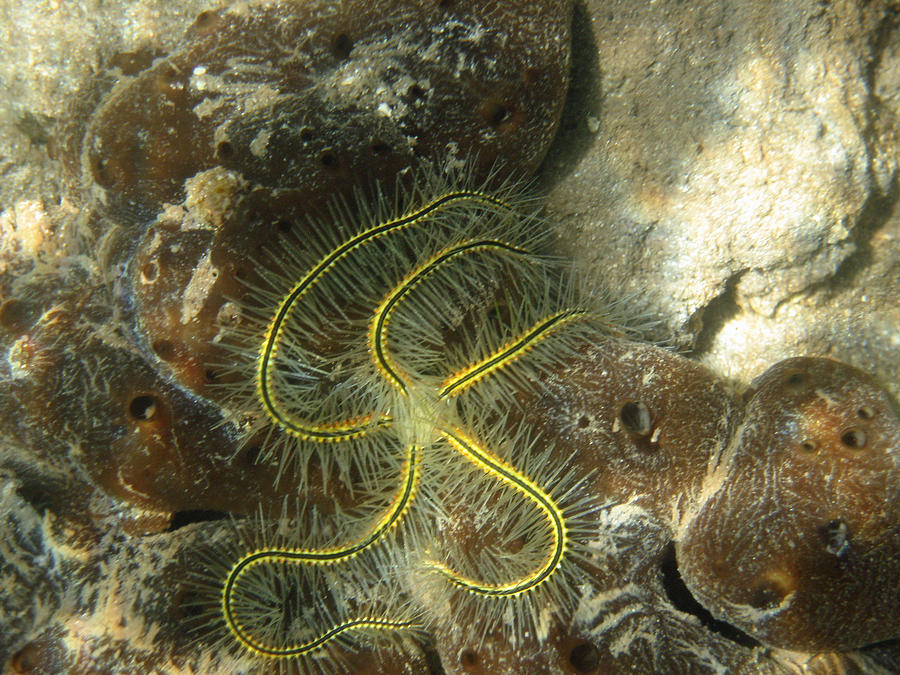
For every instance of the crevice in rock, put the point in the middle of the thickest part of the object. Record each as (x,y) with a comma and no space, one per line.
(682,600)
(717,312)
(880,206)
(880,40)
(876,212)
(182,518)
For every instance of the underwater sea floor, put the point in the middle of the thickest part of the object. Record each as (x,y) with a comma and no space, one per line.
(723,174)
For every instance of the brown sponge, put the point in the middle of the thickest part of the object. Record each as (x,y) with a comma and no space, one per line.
(800,545)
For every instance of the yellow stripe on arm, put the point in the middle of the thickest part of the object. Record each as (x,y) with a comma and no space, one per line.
(378,327)
(508,352)
(275,331)
(304,648)
(497,468)
(400,504)
(307,430)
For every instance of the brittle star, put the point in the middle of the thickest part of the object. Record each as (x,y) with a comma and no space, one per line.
(425,397)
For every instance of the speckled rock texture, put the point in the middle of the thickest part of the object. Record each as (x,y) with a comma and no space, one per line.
(737,170)
(187,278)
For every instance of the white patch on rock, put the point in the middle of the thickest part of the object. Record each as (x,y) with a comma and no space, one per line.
(197,290)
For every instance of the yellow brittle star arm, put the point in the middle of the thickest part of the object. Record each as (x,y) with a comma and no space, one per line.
(378,327)
(400,504)
(493,466)
(508,352)
(274,335)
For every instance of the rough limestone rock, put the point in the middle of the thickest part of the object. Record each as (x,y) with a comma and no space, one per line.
(737,172)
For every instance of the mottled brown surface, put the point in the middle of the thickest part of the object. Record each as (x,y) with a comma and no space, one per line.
(637,416)
(796,545)
(315,96)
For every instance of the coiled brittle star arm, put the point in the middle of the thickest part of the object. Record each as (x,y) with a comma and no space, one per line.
(493,466)
(275,332)
(328,556)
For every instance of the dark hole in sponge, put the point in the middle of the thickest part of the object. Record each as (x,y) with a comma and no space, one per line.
(795,380)
(854,438)
(143,407)
(163,349)
(328,159)
(101,172)
(224,150)
(250,456)
(809,446)
(416,92)
(584,658)
(495,113)
(866,412)
(682,600)
(766,597)
(341,45)
(206,19)
(635,417)
(149,272)
(836,537)
(433,663)
(468,658)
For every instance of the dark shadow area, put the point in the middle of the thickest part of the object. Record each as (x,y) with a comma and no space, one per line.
(876,212)
(37,493)
(882,37)
(48,493)
(434,661)
(714,316)
(681,598)
(573,137)
(880,206)
(182,518)
(885,654)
